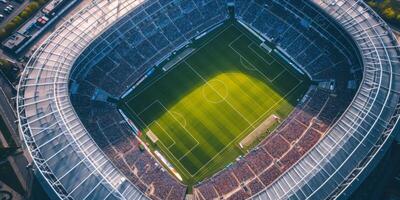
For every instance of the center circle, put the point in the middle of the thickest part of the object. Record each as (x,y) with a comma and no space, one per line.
(179,117)
(215,91)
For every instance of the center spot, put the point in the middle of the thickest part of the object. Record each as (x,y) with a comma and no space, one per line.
(215,91)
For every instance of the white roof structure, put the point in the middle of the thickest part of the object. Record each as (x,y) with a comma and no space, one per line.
(60,146)
(341,160)
(75,167)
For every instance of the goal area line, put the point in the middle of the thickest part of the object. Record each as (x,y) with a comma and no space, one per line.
(255,130)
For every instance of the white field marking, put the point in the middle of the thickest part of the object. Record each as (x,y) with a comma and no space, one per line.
(236,39)
(148,126)
(277,76)
(277,61)
(161,142)
(180,115)
(252,125)
(204,80)
(198,143)
(246,94)
(171,114)
(243,132)
(146,108)
(249,46)
(219,101)
(173,157)
(165,132)
(183,60)
(255,68)
(251,67)
(134,113)
(258,55)
(255,42)
(233,140)
(187,152)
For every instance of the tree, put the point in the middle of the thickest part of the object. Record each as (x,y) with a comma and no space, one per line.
(28,11)
(33,6)
(389,13)
(25,14)
(5,65)
(10,26)
(41,2)
(9,69)
(17,20)
(372,4)
(3,34)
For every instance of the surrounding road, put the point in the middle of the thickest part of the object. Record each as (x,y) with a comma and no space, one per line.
(21,160)
(18,7)
(77,7)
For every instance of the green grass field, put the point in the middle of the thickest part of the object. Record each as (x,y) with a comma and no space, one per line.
(202,107)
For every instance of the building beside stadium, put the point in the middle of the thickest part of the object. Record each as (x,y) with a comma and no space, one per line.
(84,148)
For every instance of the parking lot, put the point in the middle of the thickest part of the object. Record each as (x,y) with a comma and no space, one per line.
(9,9)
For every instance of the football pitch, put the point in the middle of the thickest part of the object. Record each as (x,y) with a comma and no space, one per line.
(201,108)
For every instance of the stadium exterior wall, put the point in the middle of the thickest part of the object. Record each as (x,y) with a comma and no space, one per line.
(347,144)
(373,160)
(44,107)
(43,101)
(346,194)
(44,183)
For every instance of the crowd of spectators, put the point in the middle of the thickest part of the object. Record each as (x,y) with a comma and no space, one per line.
(301,33)
(120,56)
(125,52)
(116,60)
(278,152)
(114,136)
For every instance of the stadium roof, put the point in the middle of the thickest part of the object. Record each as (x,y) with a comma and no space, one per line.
(349,147)
(62,149)
(75,167)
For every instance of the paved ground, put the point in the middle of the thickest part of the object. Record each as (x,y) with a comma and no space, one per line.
(78,6)
(20,160)
(397,33)
(8,192)
(18,7)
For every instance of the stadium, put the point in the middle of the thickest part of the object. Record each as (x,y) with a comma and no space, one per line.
(211,99)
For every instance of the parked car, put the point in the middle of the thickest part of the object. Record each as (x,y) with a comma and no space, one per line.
(7,11)
(3,1)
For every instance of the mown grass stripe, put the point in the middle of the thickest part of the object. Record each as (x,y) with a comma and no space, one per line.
(191,94)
